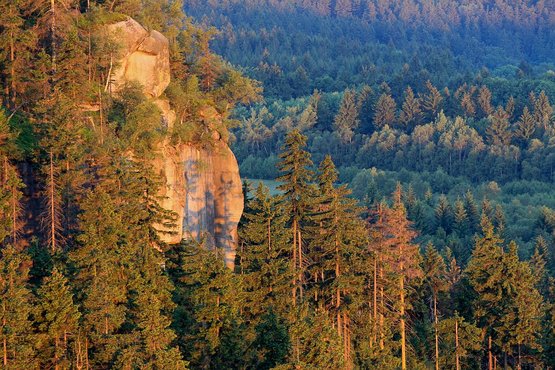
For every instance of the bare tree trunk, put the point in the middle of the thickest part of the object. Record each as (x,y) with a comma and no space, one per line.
(436,332)
(300,252)
(457,360)
(5,340)
(53,34)
(12,70)
(375,307)
(382,309)
(56,359)
(402,309)
(490,357)
(14,215)
(402,322)
(52,205)
(294,262)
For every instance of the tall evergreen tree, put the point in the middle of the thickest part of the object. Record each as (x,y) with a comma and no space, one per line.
(57,320)
(296,177)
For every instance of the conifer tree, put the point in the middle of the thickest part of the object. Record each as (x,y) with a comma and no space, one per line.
(411,112)
(102,280)
(526,125)
(431,102)
(543,110)
(385,111)
(263,257)
(16,334)
(472,211)
(346,121)
(485,274)
(213,299)
(403,257)
(484,101)
(461,222)
(435,272)
(57,323)
(444,214)
(498,131)
(339,238)
(296,177)
(467,102)
(460,343)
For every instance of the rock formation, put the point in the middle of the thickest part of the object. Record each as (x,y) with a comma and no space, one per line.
(202,184)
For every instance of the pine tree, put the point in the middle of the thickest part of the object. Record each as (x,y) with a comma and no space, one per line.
(431,102)
(56,318)
(435,272)
(520,325)
(467,103)
(498,131)
(102,280)
(16,41)
(472,211)
(211,305)
(485,274)
(484,101)
(404,259)
(461,223)
(543,110)
(510,107)
(526,125)
(385,111)
(15,310)
(296,177)
(339,239)
(264,251)
(346,121)
(460,343)
(444,214)
(411,114)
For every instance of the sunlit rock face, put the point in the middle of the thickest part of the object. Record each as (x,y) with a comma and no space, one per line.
(202,183)
(144,57)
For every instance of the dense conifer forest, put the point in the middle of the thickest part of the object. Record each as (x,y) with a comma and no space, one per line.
(413,223)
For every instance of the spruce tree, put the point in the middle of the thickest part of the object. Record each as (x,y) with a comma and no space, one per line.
(526,125)
(411,113)
(385,111)
(346,121)
(265,243)
(16,334)
(435,272)
(431,102)
(57,320)
(296,177)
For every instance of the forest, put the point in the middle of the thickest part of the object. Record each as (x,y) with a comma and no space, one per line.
(413,221)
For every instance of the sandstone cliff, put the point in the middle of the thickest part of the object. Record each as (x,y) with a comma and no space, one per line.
(202,184)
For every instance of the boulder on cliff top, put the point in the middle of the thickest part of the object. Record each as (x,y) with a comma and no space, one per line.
(144,57)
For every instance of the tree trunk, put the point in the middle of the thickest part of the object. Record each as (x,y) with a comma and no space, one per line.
(56,360)
(52,208)
(300,252)
(375,307)
(402,310)
(12,70)
(402,322)
(490,357)
(294,272)
(436,332)
(382,309)
(457,360)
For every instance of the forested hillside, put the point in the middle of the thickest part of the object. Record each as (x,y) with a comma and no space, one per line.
(413,146)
